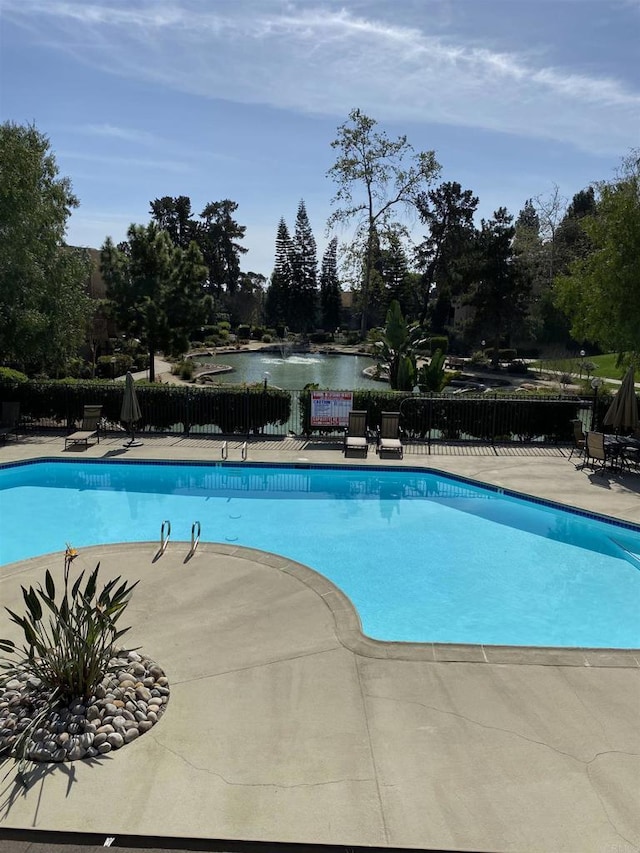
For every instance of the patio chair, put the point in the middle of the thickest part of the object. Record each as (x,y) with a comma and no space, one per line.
(89,428)
(596,451)
(9,419)
(579,438)
(389,434)
(355,437)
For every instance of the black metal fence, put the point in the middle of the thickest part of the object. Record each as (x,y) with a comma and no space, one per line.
(257,410)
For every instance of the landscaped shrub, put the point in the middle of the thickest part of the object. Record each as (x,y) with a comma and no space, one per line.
(518,367)
(438,342)
(243,332)
(320,337)
(266,339)
(184,369)
(110,366)
(10,379)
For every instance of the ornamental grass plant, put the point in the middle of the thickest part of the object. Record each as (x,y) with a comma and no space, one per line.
(68,644)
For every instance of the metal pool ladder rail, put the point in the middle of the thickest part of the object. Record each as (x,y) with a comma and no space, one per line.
(195,538)
(164,539)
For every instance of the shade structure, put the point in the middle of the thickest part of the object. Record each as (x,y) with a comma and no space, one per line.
(622,414)
(130,413)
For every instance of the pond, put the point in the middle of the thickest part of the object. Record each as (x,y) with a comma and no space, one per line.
(328,370)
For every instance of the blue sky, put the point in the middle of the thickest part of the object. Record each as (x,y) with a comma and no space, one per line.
(241,99)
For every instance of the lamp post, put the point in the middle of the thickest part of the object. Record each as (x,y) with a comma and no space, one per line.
(582,355)
(595,384)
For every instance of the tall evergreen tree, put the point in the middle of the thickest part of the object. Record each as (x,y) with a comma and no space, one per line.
(443,256)
(174,216)
(155,289)
(216,232)
(303,303)
(279,292)
(500,288)
(330,299)
(221,249)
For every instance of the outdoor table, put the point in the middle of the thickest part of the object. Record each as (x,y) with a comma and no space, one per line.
(619,444)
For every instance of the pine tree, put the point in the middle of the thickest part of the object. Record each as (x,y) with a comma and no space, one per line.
(330,299)
(304,267)
(279,292)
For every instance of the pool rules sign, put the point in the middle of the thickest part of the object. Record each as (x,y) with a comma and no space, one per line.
(331,408)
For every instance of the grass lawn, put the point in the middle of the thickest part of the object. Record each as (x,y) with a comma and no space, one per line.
(605,366)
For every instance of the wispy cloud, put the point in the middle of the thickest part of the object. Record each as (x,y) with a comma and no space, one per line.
(326,59)
(178,166)
(126,134)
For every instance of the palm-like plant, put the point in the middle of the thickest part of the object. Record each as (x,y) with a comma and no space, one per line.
(396,347)
(432,376)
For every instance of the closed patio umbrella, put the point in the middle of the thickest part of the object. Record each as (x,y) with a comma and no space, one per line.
(130,413)
(622,414)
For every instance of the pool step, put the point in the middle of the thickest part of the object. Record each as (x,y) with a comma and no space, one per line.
(633,558)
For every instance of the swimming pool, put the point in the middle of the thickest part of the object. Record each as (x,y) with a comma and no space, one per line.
(423,557)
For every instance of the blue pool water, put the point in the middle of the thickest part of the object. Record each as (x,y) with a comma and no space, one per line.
(423,557)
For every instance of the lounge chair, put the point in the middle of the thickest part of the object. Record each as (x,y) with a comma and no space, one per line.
(355,437)
(579,438)
(89,428)
(389,434)
(9,419)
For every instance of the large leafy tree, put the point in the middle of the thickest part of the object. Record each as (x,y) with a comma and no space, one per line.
(374,175)
(44,308)
(304,271)
(330,298)
(448,213)
(600,291)
(155,289)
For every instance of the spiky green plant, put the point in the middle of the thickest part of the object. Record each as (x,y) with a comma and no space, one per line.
(432,376)
(70,650)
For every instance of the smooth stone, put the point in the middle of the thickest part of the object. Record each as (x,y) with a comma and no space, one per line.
(76,752)
(100,691)
(138,668)
(100,738)
(110,709)
(145,725)
(104,748)
(131,734)
(93,712)
(143,693)
(106,729)
(14,684)
(115,739)
(118,722)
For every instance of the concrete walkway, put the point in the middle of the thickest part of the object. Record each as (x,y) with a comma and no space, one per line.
(282,726)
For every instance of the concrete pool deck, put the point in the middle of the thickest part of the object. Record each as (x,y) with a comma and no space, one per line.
(281,729)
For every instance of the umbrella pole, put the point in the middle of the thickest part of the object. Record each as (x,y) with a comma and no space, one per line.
(132,441)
